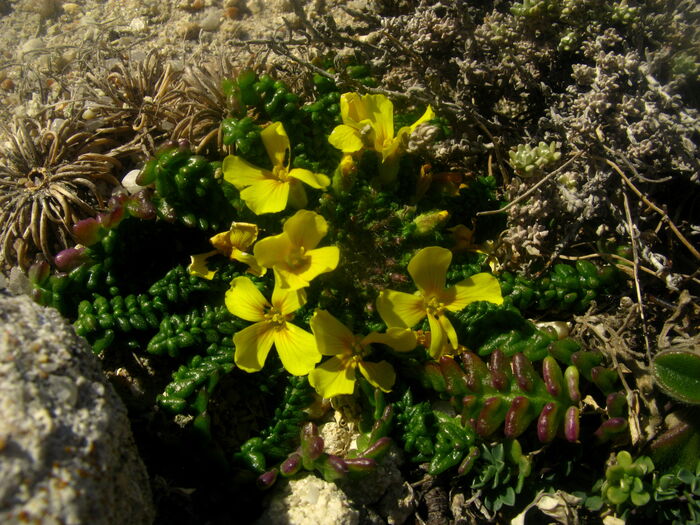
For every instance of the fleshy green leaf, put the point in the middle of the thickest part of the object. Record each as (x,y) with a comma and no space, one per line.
(677,373)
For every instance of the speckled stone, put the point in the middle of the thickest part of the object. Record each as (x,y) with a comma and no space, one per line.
(67,454)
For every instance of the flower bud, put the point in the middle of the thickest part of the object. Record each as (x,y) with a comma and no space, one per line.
(430,221)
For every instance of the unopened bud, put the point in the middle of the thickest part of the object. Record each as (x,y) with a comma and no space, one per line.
(430,221)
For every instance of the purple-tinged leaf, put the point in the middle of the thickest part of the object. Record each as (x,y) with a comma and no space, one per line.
(518,417)
(455,377)
(571,378)
(433,373)
(475,369)
(615,404)
(548,422)
(88,231)
(70,258)
(267,479)
(291,465)
(468,462)
(612,427)
(571,424)
(524,373)
(499,365)
(604,378)
(553,378)
(490,417)
(378,449)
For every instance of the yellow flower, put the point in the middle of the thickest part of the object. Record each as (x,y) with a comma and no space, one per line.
(267,191)
(293,253)
(368,122)
(233,244)
(428,268)
(336,375)
(296,347)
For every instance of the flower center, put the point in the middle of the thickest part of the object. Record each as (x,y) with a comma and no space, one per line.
(297,258)
(280,173)
(274,316)
(434,307)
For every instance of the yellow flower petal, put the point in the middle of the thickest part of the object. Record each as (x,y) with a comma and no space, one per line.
(429,114)
(198,265)
(274,250)
(320,260)
(289,280)
(297,349)
(266,196)
(479,287)
(438,337)
(247,258)
(306,229)
(346,138)
(244,300)
(242,173)
(400,309)
(380,111)
(332,378)
(449,331)
(380,375)
(297,194)
(276,143)
(242,235)
(352,109)
(252,346)
(315,180)
(332,336)
(400,339)
(428,268)
(287,301)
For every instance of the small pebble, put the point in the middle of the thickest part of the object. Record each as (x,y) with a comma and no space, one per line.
(232,13)
(138,24)
(211,21)
(31,45)
(89,114)
(7,85)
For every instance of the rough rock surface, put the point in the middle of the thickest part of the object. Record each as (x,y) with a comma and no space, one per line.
(309,500)
(67,454)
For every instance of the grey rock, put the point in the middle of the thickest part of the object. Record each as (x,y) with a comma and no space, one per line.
(67,454)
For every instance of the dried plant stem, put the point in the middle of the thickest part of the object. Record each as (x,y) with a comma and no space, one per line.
(635,256)
(664,216)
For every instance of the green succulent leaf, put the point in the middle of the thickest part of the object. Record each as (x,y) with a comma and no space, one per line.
(616,495)
(677,373)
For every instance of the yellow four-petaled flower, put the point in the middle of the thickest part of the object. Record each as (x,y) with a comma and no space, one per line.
(296,347)
(269,191)
(336,375)
(293,254)
(428,268)
(368,123)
